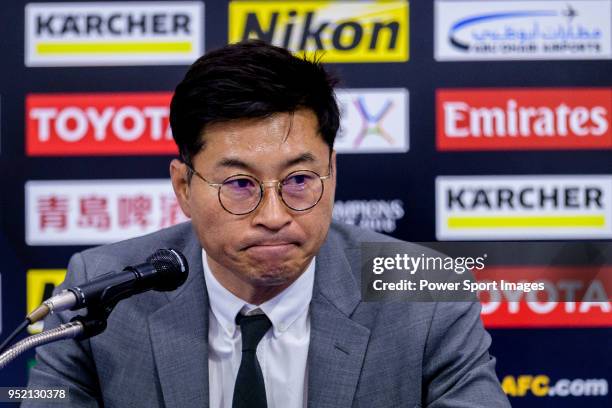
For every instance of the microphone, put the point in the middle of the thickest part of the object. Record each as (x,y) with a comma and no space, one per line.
(165,270)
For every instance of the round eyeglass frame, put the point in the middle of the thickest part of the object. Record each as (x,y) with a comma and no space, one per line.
(262,186)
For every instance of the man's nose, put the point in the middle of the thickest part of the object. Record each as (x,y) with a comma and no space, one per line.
(272,212)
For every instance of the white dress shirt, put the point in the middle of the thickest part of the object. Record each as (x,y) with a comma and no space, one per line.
(282,353)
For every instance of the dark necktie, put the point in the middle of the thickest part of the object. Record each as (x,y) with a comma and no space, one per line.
(250,390)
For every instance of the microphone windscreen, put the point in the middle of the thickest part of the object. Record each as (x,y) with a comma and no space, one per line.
(171,268)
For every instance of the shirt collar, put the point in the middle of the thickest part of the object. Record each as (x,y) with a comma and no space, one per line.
(282,310)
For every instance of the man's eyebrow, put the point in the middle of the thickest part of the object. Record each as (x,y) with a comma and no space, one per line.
(302,158)
(232,162)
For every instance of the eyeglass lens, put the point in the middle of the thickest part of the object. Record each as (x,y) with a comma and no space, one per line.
(300,191)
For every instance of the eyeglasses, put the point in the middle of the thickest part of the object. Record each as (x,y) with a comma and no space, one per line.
(241,194)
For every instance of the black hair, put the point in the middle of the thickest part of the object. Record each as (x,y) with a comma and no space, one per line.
(249,79)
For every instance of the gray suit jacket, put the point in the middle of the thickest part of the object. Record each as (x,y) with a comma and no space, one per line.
(362,354)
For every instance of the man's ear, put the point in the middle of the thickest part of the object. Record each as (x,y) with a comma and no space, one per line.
(180,184)
(332,164)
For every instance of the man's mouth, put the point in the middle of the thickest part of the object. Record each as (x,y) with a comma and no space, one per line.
(277,241)
(271,249)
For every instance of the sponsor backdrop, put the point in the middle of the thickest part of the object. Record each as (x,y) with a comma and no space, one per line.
(462,120)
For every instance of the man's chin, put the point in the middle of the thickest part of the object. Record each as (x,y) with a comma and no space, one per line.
(270,281)
(273,275)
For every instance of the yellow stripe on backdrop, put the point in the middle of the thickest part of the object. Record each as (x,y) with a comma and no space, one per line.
(590,221)
(51,48)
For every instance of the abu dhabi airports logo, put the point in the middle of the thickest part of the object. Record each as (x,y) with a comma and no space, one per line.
(340,31)
(373,121)
(507,30)
(109,33)
(524,207)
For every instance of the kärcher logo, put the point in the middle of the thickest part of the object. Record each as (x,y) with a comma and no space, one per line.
(523,207)
(109,33)
(527,198)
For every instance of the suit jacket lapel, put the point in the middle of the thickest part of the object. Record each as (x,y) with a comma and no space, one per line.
(179,337)
(337,343)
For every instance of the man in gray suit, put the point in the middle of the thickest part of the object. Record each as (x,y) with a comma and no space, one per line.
(271,314)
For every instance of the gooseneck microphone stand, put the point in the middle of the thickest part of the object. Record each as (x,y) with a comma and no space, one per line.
(163,271)
(79,327)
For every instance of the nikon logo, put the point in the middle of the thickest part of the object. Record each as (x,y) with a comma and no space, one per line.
(341,31)
(126,33)
(523,207)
